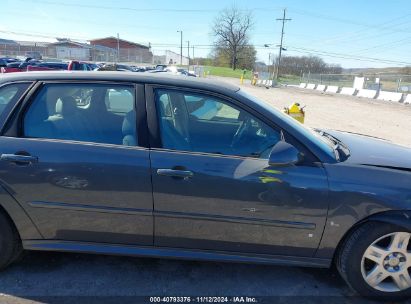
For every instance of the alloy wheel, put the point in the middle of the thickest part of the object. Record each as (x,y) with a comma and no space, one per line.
(386,263)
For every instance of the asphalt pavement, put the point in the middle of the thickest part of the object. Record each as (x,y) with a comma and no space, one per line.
(42,277)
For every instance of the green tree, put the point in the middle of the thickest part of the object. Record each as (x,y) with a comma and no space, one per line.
(246,57)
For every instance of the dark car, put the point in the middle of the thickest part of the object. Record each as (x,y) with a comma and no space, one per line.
(47,66)
(34,65)
(154,165)
(75,65)
(5,60)
(161,67)
(116,67)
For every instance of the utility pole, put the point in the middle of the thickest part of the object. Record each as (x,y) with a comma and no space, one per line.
(281,43)
(181,47)
(188,53)
(268,67)
(118,47)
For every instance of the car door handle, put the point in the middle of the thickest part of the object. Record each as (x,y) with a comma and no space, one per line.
(16,158)
(175,173)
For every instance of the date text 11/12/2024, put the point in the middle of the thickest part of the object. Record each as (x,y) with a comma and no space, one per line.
(203,299)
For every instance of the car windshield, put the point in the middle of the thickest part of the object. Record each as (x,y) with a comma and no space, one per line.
(323,142)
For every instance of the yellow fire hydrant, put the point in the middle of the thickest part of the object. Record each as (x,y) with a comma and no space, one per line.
(295,111)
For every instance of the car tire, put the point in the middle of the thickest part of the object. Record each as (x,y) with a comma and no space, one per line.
(360,260)
(10,243)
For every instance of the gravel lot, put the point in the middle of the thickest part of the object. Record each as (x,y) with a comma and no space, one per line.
(388,120)
(57,278)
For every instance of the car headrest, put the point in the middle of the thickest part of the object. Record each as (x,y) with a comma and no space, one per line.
(129,123)
(66,106)
(129,129)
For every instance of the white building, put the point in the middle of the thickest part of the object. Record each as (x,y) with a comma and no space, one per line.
(71,50)
(170,58)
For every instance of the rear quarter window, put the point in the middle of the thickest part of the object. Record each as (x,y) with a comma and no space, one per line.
(9,95)
(119,100)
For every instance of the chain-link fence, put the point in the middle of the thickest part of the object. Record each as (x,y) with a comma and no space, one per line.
(386,82)
(84,52)
(15,50)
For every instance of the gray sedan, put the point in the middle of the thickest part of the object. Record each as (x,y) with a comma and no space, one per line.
(163,166)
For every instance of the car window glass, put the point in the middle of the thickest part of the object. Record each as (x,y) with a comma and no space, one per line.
(119,100)
(201,123)
(10,94)
(82,112)
(165,104)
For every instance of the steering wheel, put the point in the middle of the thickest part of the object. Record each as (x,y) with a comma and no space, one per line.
(241,132)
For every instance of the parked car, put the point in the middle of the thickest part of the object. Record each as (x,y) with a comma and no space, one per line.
(145,164)
(116,67)
(75,65)
(179,71)
(138,69)
(18,66)
(94,66)
(5,60)
(48,66)
(161,67)
(33,65)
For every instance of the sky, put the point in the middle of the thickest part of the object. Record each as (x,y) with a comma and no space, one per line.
(352,33)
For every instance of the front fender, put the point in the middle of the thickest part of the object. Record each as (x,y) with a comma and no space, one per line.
(363,193)
(399,218)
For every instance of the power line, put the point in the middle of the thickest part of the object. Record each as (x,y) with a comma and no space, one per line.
(392,43)
(39,35)
(362,33)
(342,20)
(121,8)
(347,56)
(87,21)
(163,10)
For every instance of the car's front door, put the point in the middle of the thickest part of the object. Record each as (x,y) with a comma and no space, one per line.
(73,160)
(213,187)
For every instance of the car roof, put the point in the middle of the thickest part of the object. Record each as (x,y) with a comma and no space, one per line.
(148,78)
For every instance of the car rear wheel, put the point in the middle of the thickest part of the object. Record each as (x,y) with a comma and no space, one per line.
(375,260)
(10,243)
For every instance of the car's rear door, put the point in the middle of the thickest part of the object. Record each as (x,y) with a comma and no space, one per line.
(77,162)
(212,184)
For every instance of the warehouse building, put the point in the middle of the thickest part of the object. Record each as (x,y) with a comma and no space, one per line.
(129,51)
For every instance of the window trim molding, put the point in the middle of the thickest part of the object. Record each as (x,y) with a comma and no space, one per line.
(75,142)
(207,154)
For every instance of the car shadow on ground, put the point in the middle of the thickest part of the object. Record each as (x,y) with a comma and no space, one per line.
(52,277)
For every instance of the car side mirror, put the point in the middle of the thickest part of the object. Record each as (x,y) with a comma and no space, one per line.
(284,154)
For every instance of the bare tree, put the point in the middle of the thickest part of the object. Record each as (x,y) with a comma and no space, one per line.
(231,29)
